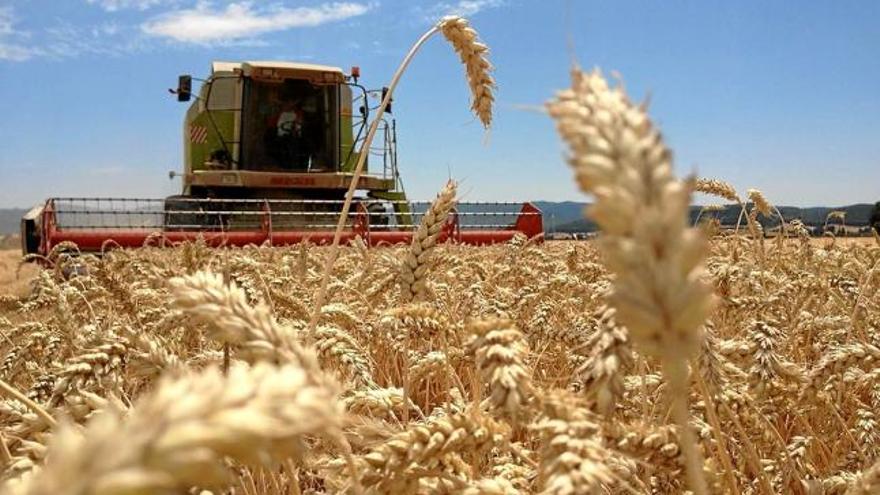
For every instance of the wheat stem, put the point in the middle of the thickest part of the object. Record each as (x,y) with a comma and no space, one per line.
(723,453)
(677,375)
(333,253)
(482,106)
(12,392)
(5,455)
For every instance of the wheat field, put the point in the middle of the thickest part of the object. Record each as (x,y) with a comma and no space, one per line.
(510,376)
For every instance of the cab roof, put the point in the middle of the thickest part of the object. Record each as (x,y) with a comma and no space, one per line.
(220,66)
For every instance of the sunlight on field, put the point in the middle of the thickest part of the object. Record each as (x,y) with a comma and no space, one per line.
(12,283)
(512,351)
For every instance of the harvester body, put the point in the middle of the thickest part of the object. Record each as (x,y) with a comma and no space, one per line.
(269,150)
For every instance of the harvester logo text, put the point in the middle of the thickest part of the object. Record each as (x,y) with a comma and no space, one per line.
(281,180)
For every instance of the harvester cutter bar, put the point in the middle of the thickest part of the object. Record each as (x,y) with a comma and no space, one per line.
(96,224)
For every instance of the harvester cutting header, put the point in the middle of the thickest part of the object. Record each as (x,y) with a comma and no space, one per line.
(270,150)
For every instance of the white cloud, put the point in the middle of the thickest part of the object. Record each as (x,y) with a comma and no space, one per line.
(106,29)
(13,46)
(64,39)
(115,5)
(463,7)
(227,22)
(16,53)
(7,20)
(204,24)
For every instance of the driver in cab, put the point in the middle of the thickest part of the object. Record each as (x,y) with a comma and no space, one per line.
(289,122)
(284,132)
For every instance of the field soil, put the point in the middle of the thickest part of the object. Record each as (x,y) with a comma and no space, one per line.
(14,281)
(845,241)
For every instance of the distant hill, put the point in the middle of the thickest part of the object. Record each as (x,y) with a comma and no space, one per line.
(856,215)
(9,220)
(565,216)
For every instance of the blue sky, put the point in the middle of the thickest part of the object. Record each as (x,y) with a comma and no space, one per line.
(779,95)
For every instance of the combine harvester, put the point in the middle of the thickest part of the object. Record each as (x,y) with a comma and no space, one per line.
(269,151)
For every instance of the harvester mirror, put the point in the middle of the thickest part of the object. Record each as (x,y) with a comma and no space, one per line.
(384,93)
(184,88)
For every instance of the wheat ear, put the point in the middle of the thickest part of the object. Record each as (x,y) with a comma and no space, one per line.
(500,351)
(232,320)
(760,201)
(13,393)
(413,276)
(868,482)
(396,465)
(619,156)
(413,273)
(573,459)
(719,188)
(465,40)
(610,358)
(180,434)
(766,208)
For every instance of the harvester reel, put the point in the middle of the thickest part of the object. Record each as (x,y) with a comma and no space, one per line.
(187,213)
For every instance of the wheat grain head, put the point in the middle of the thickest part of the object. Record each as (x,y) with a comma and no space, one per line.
(474,55)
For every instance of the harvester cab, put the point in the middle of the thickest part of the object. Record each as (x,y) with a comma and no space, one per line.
(281,131)
(269,151)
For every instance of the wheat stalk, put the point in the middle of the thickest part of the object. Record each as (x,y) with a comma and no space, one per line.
(473,55)
(620,158)
(413,274)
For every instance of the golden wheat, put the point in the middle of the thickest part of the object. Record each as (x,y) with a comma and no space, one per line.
(659,294)
(779,350)
(465,40)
